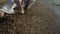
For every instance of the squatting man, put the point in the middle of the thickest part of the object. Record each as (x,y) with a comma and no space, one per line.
(9,6)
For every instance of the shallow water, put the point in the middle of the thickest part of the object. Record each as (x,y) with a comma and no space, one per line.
(49,4)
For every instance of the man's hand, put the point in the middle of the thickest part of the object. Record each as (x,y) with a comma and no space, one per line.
(1,14)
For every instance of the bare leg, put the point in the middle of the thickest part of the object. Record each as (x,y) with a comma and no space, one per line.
(31,3)
(19,5)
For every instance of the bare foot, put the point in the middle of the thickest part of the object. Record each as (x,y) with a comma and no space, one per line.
(29,7)
(22,11)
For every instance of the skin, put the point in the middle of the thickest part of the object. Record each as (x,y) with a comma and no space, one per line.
(1,14)
(29,3)
(20,7)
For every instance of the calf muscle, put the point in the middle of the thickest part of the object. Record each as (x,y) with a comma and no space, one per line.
(20,6)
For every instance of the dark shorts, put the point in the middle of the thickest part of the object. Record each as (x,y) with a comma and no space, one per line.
(26,3)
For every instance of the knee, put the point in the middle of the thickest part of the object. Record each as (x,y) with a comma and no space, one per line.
(1,14)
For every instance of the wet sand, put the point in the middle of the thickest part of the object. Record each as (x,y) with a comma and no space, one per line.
(37,20)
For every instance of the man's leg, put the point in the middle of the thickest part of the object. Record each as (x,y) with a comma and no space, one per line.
(19,5)
(31,3)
